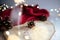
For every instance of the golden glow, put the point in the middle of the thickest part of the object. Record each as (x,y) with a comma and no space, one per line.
(13,37)
(19,33)
(58,14)
(7,32)
(19,1)
(27,37)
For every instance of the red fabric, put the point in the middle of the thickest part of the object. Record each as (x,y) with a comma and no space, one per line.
(29,13)
(32,13)
(5,13)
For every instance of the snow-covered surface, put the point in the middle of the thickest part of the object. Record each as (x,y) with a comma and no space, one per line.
(41,31)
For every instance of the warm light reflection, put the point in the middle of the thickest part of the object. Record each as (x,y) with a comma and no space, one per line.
(19,1)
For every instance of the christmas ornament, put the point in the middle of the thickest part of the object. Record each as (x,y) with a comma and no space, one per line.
(28,22)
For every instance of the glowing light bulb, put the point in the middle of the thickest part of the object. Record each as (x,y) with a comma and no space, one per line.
(27,37)
(11,6)
(37,6)
(21,6)
(3,4)
(7,32)
(20,13)
(26,4)
(16,4)
(55,9)
(7,6)
(4,8)
(51,9)
(19,33)
(19,1)
(32,5)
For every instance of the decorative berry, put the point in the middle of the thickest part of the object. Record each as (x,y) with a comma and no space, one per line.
(31,24)
(5,24)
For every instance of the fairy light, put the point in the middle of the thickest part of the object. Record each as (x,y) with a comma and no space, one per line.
(32,5)
(20,13)
(21,6)
(51,9)
(19,33)
(11,6)
(7,32)
(37,6)
(26,4)
(55,9)
(7,6)
(16,4)
(3,4)
(19,1)
(27,37)
(4,8)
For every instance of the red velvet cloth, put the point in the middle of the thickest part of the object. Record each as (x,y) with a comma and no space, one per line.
(33,13)
(29,13)
(5,13)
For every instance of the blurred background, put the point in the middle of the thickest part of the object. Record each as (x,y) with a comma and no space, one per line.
(53,6)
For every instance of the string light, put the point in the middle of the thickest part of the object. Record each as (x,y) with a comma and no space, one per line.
(3,4)
(16,4)
(27,37)
(37,6)
(51,9)
(19,13)
(21,6)
(7,6)
(11,6)
(32,5)
(19,33)
(57,11)
(19,1)
(4,8)
(26,4)
(7,32)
